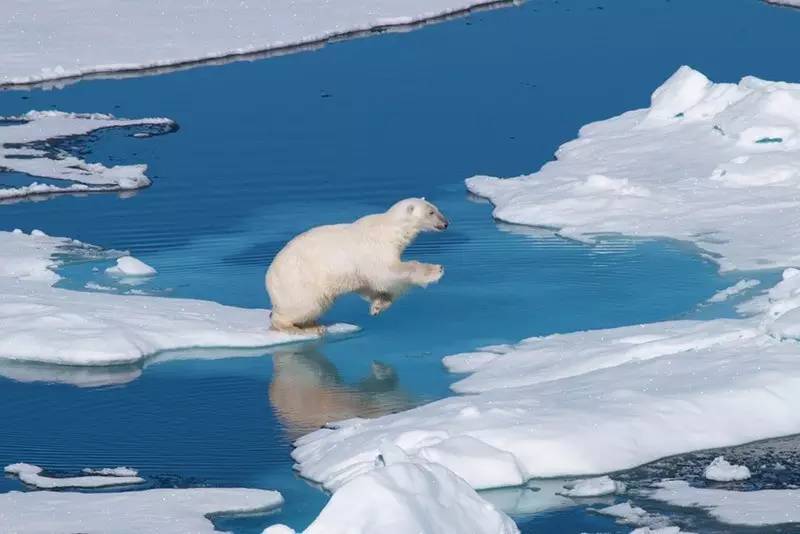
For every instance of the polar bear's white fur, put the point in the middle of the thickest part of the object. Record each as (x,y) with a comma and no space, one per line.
(362,257)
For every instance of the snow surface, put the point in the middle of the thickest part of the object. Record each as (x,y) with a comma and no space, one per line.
(37,44)
(27,146)
(753,508)
(41,323)
(596,402)
(720,470)
(728,292)
(400,495)
(593,487)
(716,164)
(32,475)
(130,266)
(166,511)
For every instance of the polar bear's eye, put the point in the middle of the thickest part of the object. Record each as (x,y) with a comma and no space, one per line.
(430,212)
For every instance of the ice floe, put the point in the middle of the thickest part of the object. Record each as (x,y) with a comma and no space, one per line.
(28,146)
(166,511)
(647,523)
(735,289)
(32,475)
(716,164)
(593,487)
(596,402)
(753,508)
(150,33)
(401,495)
(130,266)
(112,471)
(42,323)
(720,470)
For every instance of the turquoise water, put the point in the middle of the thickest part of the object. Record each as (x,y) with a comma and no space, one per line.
(266,149)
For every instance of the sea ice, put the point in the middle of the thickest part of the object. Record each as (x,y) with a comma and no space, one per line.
(593,487)
(710,163)
(113,471)
(166,511)
(791,3)
(41,323)
(720,470)
(753,508)
(407,496)
(728,292)
(153,34)
(598,401)
(32,475)
(27,146)
(130,266)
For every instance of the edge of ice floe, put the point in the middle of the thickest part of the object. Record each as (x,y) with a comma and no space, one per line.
(399,24)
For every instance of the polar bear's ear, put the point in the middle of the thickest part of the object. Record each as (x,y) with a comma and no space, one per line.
(410,208)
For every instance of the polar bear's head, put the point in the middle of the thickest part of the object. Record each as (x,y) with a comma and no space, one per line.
(419,214)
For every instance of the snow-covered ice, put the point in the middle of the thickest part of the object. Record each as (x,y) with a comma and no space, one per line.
(597,402)
(166,511)
(720,470)
(753,508)
(130,266)
(112,471)
(42,323)
(27,146)
(400,495)
(593,487)
(647,523)
(715,164)
(150,33)
(32,475)
(735,289)
(627,512)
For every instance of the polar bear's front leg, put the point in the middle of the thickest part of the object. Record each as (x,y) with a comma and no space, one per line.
(420,274)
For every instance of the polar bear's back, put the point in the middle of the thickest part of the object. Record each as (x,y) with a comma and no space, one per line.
(317,265)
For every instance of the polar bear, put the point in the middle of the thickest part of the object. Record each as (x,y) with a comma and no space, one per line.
(362,257)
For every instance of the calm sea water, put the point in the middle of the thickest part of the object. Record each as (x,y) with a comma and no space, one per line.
(269,148)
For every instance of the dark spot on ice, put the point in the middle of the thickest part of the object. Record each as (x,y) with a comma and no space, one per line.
(765,140)
(679,115)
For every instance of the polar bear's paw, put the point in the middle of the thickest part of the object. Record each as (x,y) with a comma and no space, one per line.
(379,305)
(431,273)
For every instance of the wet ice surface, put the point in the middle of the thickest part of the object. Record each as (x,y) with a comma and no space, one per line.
(232,185)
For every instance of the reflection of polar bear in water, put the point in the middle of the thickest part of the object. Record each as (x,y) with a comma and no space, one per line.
(362,257)
(307,391)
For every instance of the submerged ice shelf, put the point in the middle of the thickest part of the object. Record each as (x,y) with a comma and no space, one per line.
(27,146)
(153,34)
(45,324)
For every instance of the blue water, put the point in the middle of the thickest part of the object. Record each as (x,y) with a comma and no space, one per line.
(266,149)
